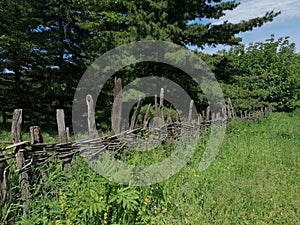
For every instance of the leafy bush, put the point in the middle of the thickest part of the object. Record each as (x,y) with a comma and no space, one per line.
(261,74)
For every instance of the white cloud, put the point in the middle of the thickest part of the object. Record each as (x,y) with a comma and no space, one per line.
(286,24)
(253,8)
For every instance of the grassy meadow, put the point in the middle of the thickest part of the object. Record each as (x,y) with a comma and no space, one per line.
(255,179)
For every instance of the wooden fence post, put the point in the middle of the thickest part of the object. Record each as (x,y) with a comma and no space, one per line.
(213,116)
(155,106)
(230,108)
(4,185)
(63,137)
(4,169)
(169,118)
(161,106)
(177,118)
(208,116)
(200,120)
(20,157)
(117,107)
(91,118)
(203,115)
(60,118)
(37,138)
(36,135)
(228,111)
(224,112)
(136,113)
(68,133)
(156,113)
(147,116)
(190,111)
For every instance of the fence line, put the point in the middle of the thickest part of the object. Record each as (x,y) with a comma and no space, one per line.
(36,153)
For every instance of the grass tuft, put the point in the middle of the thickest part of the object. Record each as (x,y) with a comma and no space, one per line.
(253,180)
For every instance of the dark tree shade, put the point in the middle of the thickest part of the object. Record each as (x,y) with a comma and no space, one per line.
(45,46)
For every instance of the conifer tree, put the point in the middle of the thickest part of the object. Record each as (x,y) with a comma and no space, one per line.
(45,46)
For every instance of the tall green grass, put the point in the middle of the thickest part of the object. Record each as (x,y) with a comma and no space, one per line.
(253,180)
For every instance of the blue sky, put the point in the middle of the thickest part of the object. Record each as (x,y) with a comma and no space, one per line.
(286,24)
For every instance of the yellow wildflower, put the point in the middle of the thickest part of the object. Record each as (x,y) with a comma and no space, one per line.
(105,218)
(146,201)
(57,222)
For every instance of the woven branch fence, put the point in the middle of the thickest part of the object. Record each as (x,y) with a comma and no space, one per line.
(34,152)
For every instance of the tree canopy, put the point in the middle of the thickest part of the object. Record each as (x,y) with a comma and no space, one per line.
(45,46)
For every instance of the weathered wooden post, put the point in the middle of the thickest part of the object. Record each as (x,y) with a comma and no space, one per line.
(200,120)
(61,126)
(208,114)
(63,137)
(177,118)
(213,117)
(155,105)
(190,111)
(20,157)
(203,115)
(136,113)
(156,112)
(93,133)
(4,169)
(36,135)
(230,108)
(161,107)
(218,116)
(267,111)
(228,111)
(224,113)
(147,116)
(37,138)
(169,118)
(68,133)
(117,107)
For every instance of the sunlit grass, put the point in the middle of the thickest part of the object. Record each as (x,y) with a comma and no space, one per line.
(253,180)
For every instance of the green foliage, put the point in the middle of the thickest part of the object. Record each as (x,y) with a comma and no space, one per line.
(79,197)
(46,46)
(252,181)
(261,74)
(174,21)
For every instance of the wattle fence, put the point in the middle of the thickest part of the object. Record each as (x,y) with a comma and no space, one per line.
(34,152)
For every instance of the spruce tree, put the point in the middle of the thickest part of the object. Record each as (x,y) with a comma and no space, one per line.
(47,45)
